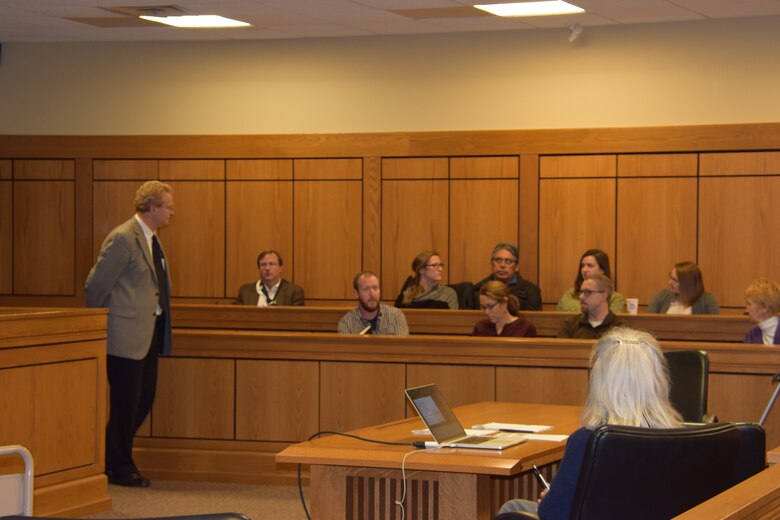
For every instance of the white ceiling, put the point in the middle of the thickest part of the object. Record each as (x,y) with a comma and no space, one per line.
(50,20)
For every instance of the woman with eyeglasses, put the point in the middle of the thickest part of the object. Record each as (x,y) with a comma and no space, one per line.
(501,308)
(592,261)
(685,294)
(426,290)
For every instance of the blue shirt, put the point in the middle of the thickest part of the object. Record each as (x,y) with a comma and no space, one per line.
(556,504)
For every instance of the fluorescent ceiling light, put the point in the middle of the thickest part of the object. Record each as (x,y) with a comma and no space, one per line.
(531,8)
(197,21)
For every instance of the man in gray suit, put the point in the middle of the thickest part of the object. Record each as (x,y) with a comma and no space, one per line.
(271,289)
(131,279)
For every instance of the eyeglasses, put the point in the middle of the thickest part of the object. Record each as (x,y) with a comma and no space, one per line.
(268,264)
(489,306)
(587,292)
(435,266)
(504,261)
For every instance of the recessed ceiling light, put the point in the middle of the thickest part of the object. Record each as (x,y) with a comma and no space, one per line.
(531,8)
(197,21)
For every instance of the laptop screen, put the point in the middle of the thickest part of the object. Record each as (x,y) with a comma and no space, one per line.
(435,412)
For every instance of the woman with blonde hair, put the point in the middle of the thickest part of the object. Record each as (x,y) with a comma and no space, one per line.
(629,385)
(501,308)
(763,304)
(685,294)
(425,290)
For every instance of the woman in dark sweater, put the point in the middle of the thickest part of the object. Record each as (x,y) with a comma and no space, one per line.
(629,385)
(501,308)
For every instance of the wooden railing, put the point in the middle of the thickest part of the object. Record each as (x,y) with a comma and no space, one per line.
(710,328)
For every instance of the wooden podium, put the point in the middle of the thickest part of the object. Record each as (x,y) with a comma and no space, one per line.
(353,479)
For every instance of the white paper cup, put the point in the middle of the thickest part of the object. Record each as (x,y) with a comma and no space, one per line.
(632,304)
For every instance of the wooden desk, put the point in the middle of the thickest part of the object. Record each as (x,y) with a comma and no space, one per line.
(355,479)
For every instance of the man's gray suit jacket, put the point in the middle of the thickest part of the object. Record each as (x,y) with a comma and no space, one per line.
(124,280)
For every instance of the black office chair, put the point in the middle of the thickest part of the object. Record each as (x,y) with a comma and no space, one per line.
(648,474)
(689,374)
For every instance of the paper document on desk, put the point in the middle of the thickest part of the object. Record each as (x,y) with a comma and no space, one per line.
(545,437)
(512,427)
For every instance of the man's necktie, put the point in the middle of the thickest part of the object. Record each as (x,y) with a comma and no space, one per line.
(270,301)
(159,269)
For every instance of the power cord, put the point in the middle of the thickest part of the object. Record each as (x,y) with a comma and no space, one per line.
(400,503)
(416,444)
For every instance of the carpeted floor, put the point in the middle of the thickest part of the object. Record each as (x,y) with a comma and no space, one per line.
(168,498)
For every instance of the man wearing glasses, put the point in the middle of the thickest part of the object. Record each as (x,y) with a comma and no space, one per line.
(505,269)
(596,318)
(271,289)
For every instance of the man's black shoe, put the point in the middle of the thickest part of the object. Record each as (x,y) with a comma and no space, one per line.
(131,480)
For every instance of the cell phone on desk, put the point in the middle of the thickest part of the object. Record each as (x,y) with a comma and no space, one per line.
(540,477)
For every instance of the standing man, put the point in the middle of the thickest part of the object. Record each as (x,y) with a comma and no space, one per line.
(505,269)
(271,289)
(131,279)
(371,316)
(596,318)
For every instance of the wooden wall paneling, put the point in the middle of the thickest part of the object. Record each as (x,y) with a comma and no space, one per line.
(484,167)
(773,163)
(415,218)
(482,213)
(574,215)
(573,166)
(126,169)
(44,237)
(192,170)
(19,382)
(112,205)
(732,163)
(6,237)
(194,242)
(65,407)
(458,383)
(656,228)
(415,168)
(43,169)
(259,217)
(288,391)
(541,385)
(528,217)
(657,165)
(84,221)
(738,220)
(195,399)
(354,395)
(372,214)
(743,397)
(259,170)
(327,233)
(737,217)
(6,169)
(328,169)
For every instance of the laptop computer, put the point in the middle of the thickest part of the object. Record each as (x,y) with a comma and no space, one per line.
(437,415)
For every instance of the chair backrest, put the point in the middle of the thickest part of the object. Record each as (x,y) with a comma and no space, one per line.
(16,489)
(651,474)
(688,372)
(467,296)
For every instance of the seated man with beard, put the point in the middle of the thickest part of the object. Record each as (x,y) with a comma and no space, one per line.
(371,316)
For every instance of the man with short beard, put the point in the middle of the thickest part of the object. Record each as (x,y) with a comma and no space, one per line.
(371,316)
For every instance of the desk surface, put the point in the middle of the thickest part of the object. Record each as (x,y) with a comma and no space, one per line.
(336,450)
